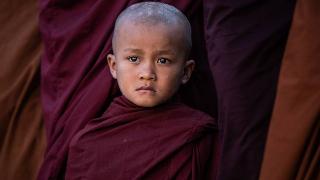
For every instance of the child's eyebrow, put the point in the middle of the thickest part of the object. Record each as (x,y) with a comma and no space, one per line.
(133,50)
(169,51)
(140,51)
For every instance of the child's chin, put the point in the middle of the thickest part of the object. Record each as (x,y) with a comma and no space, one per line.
(146,103)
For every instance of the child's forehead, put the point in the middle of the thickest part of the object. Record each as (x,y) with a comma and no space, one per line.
(161,32)
(149,26)
(158,37)
(149,15)
(152,12)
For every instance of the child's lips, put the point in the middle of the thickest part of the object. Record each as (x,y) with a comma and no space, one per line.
(146,88)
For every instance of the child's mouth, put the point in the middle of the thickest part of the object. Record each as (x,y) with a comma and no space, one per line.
(146,88)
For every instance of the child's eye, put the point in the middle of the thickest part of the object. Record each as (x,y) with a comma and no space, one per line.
(133,59)
(163,61)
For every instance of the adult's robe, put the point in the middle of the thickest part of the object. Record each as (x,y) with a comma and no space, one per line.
(293,146)
(169,141)
(22,140)
(245,41)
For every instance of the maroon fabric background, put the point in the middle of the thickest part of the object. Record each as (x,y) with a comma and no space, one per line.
(293,146)
(244,41)
(77,74)
(22,140)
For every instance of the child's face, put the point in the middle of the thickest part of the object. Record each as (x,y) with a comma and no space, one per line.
(149,62)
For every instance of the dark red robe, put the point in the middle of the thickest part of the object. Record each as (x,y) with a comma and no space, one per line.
(171,141)
(237,45)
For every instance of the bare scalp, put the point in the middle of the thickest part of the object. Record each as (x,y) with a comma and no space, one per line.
(153,13)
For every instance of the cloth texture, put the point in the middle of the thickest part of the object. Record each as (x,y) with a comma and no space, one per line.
(76,85)
(22,140)
(238,47)
(170,141)
(245,41)
(293,145)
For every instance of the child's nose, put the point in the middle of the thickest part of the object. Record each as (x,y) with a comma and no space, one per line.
(147,72)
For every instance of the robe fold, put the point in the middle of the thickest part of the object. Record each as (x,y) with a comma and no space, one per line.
(22,140)
(76,86)
(171,141)
(237,46)
(245,40)
(293,145)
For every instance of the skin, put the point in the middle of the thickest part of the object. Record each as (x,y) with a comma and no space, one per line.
(150,62)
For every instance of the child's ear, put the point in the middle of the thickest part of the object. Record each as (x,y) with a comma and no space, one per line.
(112,65)
(188,68)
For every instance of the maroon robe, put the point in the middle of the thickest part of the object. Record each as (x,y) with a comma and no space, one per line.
(170,141)
(76,86)
(237,46)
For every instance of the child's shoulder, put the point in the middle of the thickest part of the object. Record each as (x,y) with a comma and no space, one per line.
(188,111)
(192,116)
(195,123)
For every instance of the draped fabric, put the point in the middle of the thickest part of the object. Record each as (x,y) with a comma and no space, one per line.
(75,83)
(170,141)
(22,140)
(238,48)
(245,42)
(293,145)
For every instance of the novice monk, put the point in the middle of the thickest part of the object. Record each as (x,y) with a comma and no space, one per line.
(147,133)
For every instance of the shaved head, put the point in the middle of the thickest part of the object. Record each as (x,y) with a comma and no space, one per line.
(151,14)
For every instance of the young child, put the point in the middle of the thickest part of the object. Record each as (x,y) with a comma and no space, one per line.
(147,133)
